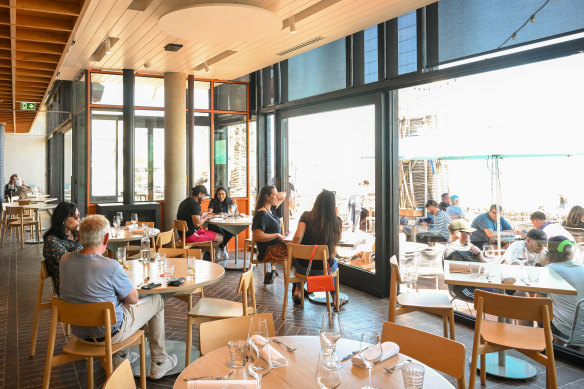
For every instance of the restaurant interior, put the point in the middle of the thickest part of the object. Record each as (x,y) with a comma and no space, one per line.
(123,106)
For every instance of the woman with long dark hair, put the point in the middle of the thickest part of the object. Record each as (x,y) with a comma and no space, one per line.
(575,217)
(61,238)
(266,228)
(320,226)
(220,204)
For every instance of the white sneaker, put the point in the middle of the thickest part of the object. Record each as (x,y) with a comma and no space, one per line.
(119,357)
(157,371)
(218,255)
(225,253)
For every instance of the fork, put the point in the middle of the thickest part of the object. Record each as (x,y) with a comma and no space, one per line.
(284,345)
(396,367)
(210,377)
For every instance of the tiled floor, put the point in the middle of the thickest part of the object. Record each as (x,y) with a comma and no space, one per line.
(17,298)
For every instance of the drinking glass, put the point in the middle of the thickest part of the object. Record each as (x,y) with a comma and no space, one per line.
(122,256)
(532,274)
(522,258)
(330,332)
(370,352)
(168,271)
(328,373)
(134,220)
(413,375)
(490,252)
(237,352)
(120,216)
(475,270)
(258,341)
(117,221)
(191,267)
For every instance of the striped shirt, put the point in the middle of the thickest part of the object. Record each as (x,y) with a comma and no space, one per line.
(441,222)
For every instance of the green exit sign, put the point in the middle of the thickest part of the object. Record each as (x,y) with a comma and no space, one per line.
(27,106)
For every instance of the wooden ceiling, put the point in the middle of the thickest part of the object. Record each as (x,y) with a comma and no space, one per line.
(33,36)
(37,36)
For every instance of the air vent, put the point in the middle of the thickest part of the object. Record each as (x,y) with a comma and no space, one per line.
(297,47)
(173,47)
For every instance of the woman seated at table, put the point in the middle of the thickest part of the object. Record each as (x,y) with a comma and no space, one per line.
(320,226)
(220,204)
(560,254)
(266,229)
(61,238)
(575,217)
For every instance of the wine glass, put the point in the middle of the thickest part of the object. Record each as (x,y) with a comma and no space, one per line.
(330,332)
(522,257)
(134,220)
(117,221)
(328,373)
(370,352)
(120,216)
(258,341)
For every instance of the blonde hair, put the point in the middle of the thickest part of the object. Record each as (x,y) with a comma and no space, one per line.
(92,230)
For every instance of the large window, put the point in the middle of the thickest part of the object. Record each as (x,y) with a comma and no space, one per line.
(68,164)
(106,155)
(149,155)
(201,149)
(230,151)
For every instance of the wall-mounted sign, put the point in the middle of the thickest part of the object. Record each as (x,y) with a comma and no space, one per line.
(27,106)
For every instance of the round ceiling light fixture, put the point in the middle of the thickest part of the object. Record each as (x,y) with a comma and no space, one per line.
(220,22)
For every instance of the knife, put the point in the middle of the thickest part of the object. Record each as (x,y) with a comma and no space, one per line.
(350,355)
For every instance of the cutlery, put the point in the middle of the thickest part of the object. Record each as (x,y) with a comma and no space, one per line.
(350,355)
(396,367)
(210,377)
(284,345)
(525,282)
(143,282)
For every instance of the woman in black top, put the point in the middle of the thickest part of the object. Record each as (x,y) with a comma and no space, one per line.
(320,226)
(220,204)
(266,228)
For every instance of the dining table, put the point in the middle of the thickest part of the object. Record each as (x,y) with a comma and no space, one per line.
(235,225)
(39,199)
(206,273)
(37,208)
(501,364)
(128,234)
(301,367)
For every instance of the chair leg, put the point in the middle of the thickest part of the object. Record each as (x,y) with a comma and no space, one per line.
(143,362)
(3,233)
(445,326)
(189,341)
(302,294)
(483,369)
(286,287)
(451,320)
(90,373)
(328,301)
(21,236)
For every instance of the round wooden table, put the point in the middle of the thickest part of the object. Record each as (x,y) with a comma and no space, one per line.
(126,235)
(301,369)
(235,225)
(37,208)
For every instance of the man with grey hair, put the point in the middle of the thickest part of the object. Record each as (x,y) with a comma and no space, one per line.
(89,277)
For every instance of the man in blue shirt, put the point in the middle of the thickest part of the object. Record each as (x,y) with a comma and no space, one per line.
(439,230)
(455,211)
(89,277)
(486,227)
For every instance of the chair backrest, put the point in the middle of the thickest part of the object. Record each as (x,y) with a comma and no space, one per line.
(13,212)
(216,334)
(150,224)
(246,288)
(24,202)
(165,237)
(181,229)
(121,378)
(303,251)
(174,253)
(395,276)
(577,233)
(439,353)
(395,280)
(86,315)
(513,307)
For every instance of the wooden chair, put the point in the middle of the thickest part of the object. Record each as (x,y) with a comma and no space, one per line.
(14,217)
(493,336)
(121,378)
(181,228)
(174,252)
(164,238)
(250,245)
(214,335)
(438,304)
(435,351)
(303,252)
(92,315)
(208,309)
(39,306)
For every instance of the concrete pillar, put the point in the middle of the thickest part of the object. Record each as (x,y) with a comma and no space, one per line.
(175,147)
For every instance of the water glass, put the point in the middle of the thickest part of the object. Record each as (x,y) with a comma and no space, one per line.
(258,341)
(145,256)
(145,227)
(475,270)
(328,372)
(532,274)
(330,332)
(122,255)
(115,232)
(120,216)
(413,375)
(191,267)
(168,271)
(370,352)
(237,352)
(134,219)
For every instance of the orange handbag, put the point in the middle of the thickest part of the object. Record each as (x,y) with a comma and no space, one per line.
(324,283)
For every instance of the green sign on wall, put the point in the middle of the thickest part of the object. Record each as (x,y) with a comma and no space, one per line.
(27,106)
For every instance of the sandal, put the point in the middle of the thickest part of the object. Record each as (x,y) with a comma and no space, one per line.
(342,301)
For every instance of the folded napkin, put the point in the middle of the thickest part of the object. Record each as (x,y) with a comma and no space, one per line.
(138,231)
(277,359)
(459,268)
(389,349)
(213,384)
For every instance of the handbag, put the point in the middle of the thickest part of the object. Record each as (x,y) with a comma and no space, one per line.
(323,283)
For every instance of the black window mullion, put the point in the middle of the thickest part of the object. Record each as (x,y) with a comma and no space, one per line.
(357,59)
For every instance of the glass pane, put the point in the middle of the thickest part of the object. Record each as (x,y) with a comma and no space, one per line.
(201,149)
(68,164)
(318,71)
(230,97)
(406,43)
(370,54)
(230,150)
(346,166)
(107,89)
(149,156)
(202,95)
(271,157)
(106,155)
(468,28)
(253,174)
(148,91)
(268,86)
